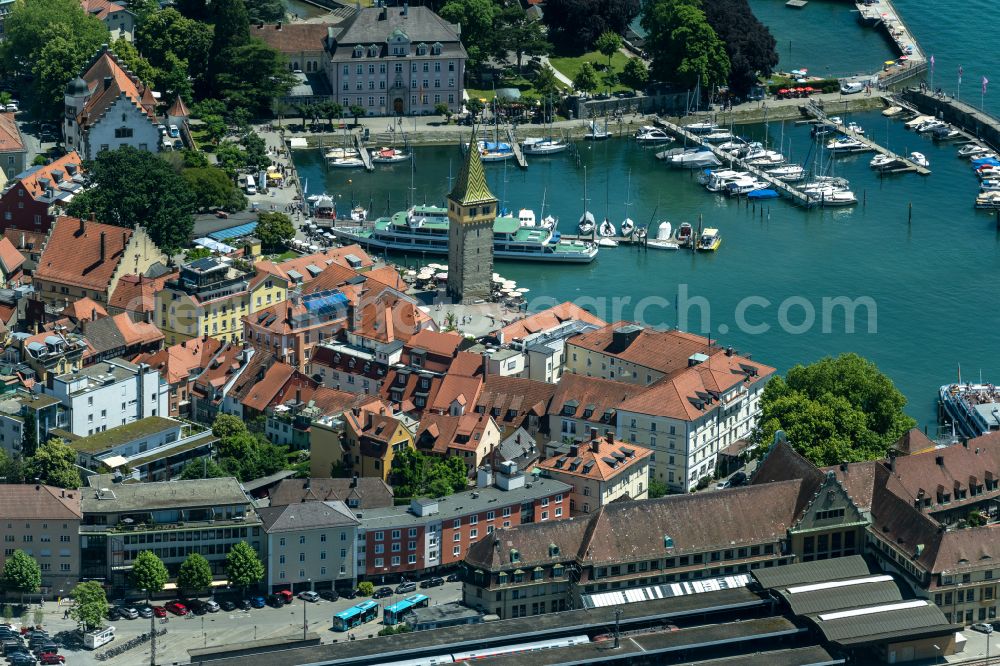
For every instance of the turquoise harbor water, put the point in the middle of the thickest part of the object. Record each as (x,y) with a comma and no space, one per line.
(932,280)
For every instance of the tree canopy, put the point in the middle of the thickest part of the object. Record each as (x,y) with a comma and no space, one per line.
(213,189)
(148,573)
(274,230)
(241,453)
(835,410)
(251,76)
(635,75)
(417,474)
(177,47)
(684,47)
(749,44)
(195,574)
(21,573)
(90,604)
(575,25)
(608,44)
(476,18)
(586,79)
(243,567)
(133,187)
(54,464)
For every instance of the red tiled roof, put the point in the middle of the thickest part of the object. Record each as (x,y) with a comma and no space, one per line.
(106,67)
(39,502)
(664,351)
(22,239)
(591,464)
(465,390)
(84,309)
(137,332)
(435,342)
(10,258)
(439,432)
(100,8)
(35,189)
(333,255)
(137,293)
(176,363)
(677,395)
(387,315)
(547,319)
(291,38)
(10,135)
(264,391)
(178,109)
(591,393)
(510,400)
(72,254)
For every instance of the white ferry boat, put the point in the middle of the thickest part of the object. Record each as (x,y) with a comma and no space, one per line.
(974,409)
(424,230)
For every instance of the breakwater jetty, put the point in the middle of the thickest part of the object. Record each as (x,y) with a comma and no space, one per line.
(974,122)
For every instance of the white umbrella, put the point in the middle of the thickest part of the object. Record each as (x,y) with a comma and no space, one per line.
(441,276)
(522,290)
(410,273)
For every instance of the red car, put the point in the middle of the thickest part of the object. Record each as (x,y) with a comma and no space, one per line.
(177,608)
(159,611)
(51,658)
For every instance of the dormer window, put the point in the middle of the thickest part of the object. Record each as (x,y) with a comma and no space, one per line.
(436,49)
(373,51)
(359,51)
(421,49)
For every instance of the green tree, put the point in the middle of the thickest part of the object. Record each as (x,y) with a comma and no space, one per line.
(177,47)
(215,128)
(608,44)
(586,78)
(274,230)
(268,11)
(256,151)
(252,76)
(331,110)
(227,425)
(683,46)
(208,107)
(835,410)
(29,435)
(54,464)
(12,470)
(635,75)
(476,18)
(366,588)
(143,9)
(202,469)
(243,567)
(130,57)
(518,32)
(657,488)
(148,573)
(357,112)
(90,605)
(230,158)
(174,79)
(575,25)
(546,82)
(443,110)
(232,26)
(195,574)
(415,474)
(130,187)
(474,106)
(59,60)
(22,574)
(212,189)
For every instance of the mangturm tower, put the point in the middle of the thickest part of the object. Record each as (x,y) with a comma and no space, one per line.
(472,208)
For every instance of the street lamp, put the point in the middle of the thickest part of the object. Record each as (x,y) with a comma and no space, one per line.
(305,622)
(152,633)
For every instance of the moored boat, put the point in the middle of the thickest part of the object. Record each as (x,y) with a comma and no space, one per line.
(543,146)
(389,156)
(651,134)
(607,229)
(919,159)
(709,241)
(973,409)
(684,234)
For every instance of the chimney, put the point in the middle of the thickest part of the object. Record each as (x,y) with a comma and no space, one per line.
(102,247)
(939,460)
(107,82)
(354,481)
(125,244)
(593,434)
(574,450)
(486,366)
(83,224)
(356,410)
(729,351)
(610,436)
(93,314)
(298,394)
(289,320)
(279,25)
(892,462)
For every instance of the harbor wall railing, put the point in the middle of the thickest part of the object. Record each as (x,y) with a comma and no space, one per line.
(975,121)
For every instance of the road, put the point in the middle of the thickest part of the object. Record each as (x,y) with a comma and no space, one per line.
(222,628)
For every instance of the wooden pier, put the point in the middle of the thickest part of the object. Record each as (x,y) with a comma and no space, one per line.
(909,165)
(785,189)
(516,147)
(363,153)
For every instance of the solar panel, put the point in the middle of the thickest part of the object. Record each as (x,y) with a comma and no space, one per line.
(234,232)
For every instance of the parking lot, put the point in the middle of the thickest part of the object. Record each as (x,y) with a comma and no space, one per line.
(193,631)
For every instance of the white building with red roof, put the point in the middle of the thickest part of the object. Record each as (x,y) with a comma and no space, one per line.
(119,20)
(108,107)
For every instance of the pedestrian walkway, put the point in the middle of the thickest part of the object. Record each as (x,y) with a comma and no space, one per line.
(559,75)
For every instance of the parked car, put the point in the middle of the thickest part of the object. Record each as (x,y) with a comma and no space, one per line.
(52,658)
(174,132)
(128,613)
(46,648)
(432,582)
(228,606)
(286,595)
(159,611)
(404,588)
(329,595)
(257,602)
(177,608)
(350,594)
(21,659)
(982,627)
(309,596)
(13,107)
(244,604)
(197,606)
(145,612)
(275,601)
(382,593)
(736,480)
(212,606)
(453,577)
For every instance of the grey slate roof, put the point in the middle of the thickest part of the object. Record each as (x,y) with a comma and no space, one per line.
(420,25)
(842,598)
(305,516)
(160,494)
(879,626)
(837,568)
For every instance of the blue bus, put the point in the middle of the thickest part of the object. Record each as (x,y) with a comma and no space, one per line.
(355,616)
(394,614)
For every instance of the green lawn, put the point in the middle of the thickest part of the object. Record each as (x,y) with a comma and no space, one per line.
(289,254)
(570,66)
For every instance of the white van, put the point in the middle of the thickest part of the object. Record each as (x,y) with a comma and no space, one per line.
(95,639)
(251,186)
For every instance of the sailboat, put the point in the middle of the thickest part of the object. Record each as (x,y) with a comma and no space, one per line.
(587,223)
(607,228)
(628,226)
(546,145)
(344,158)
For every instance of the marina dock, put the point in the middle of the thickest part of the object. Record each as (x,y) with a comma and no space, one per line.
(909,165)
(516,147)
(363,153)
(884,14)
(779,186)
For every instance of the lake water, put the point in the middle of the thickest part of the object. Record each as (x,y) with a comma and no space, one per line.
(931,280)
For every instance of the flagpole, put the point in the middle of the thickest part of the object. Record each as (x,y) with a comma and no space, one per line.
(958,93)
(932,73)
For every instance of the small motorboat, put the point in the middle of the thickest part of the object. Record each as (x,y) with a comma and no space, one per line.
(883,162)
(718,180)
(836,120)
(988,200)
(663,239)
(919,159)
(684,234)
(855,128)
(628,226)
(651,134)
(892,111)
(595,133)
(732,146)
(762,194)
(709,241)
(971,150)
(832,196)
(701,128)
(949,133)
(930,126)
(744,186)
(989,185)
(389,156)
(915,122)
(587,224)
(607,242)
(717,136)
(606,229)
(663,231)
(641,233)
(846,144)
(765,159)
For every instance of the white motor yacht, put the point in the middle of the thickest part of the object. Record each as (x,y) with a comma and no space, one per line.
(701,128)
(919,159)
(695,158)
(830,196)
(790,173)
(718,136)
(930,126)
(650,134)
(972,150)
(718,180)
(856,128)
(913,123)
(744,186)
(845,144)
(543,146)
(883,162)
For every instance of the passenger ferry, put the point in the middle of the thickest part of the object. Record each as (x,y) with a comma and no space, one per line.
(974,409)
(424,229)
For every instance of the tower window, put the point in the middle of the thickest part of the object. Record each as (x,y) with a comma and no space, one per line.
(472,211)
